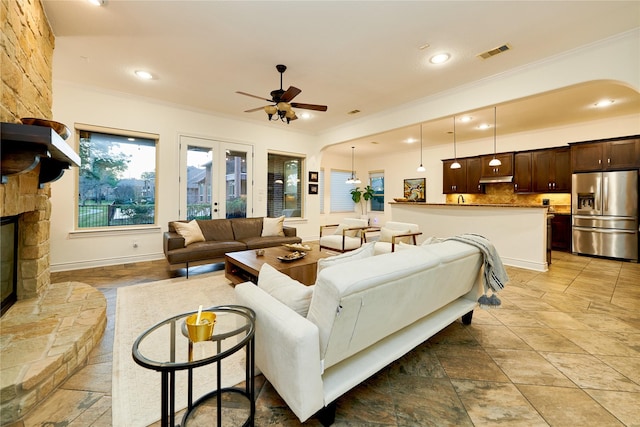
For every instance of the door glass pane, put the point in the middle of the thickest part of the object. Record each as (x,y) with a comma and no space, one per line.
(199,173)
(236,184)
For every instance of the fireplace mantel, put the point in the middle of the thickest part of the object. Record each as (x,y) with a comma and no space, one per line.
(26,146)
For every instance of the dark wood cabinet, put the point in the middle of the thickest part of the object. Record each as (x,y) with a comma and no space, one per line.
(522,172)
(474,173)
(561,232)
(551,170)
(505,169)
(454,180)
(615,154)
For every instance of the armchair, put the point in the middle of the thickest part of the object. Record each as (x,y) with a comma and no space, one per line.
(347,236)
(392,233)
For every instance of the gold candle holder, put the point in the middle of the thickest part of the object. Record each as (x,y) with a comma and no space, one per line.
(202,331)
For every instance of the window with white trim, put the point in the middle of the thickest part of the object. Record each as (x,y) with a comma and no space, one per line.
(341,192)
(376,180)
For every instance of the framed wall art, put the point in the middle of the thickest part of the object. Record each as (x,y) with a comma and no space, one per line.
(313,176)
(415,189)
(313,188)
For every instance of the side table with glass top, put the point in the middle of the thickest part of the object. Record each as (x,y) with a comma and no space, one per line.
(166,348)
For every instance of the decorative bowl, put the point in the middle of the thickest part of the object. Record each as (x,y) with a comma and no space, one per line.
(293,256)
(60,129)
(400,199)
(297,247)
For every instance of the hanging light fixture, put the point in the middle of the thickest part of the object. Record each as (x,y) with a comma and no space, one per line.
(353,179)
(494,162)
(420,168)
(455,164)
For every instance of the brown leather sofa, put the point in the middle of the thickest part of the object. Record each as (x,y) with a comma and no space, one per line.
(221,236)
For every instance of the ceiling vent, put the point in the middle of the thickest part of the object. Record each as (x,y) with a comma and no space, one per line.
(495,51)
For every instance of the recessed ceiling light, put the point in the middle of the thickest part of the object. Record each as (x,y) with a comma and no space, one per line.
(484,126)
(144,75)
(305,116)
(410,140)
(440,58)
(604,103)
(465,119)
(96,2)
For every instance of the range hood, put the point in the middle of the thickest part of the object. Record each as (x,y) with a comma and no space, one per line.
(496,179)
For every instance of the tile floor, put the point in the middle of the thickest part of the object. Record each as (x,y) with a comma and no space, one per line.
(564,350)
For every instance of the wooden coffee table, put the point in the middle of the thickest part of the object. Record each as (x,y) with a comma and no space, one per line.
(244,266)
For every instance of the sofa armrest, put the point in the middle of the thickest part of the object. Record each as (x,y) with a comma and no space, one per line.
(172,240)
(398,236)
(289,231)
(287,350)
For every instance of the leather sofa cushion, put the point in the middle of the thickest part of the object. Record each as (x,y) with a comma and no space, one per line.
(203,251)
(267,242)
(216,229)
(244,228)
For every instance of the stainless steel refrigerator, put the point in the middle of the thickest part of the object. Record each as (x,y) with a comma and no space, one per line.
(604,208)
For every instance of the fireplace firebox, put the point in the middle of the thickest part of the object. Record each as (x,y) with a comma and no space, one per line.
(8,261)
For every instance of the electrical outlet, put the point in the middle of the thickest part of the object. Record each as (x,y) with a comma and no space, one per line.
(135,244)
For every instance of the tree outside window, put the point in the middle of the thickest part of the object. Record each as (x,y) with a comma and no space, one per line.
(117,180)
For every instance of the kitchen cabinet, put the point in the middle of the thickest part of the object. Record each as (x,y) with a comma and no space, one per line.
(505,169)
(522,172)
(454,180)
(561,232)
(605,155)
(551,170)
(474,173)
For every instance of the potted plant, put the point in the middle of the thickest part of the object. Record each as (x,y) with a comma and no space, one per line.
(362,197)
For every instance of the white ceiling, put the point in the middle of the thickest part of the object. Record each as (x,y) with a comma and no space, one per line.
(364,55)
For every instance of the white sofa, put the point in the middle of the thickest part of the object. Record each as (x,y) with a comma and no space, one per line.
(363,314)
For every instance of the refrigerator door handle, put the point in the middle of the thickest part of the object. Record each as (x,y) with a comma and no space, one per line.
(605,193)
(604,230)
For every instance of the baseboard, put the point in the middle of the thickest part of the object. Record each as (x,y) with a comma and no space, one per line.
(528,265)
(67,266)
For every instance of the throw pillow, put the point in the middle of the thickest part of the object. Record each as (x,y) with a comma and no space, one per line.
(386,235)
(363,251)
(350,233)
(272,227)
(432,240)
(190,231)
(405,246)
(288,291)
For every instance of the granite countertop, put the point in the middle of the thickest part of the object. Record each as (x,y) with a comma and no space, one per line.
(561,209)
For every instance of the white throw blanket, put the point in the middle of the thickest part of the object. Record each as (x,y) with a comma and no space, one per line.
(495,276)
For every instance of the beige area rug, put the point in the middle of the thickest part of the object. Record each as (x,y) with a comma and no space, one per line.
(136,394)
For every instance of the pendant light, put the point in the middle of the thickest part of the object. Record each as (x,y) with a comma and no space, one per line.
(494,162)
(420,168)
(455,164)
(353,179)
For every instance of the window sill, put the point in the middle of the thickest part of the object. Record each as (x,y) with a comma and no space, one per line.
(115,231)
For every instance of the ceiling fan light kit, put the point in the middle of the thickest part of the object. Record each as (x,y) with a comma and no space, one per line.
(283,108)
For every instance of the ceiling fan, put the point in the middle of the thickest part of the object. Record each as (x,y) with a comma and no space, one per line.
(281,98)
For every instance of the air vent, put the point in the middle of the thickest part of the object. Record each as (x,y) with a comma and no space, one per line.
(353,112)
(494,52)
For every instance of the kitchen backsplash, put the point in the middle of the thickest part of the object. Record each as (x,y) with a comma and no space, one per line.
(503,194)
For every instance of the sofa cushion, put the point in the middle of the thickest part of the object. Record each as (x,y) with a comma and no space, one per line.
(386,235)
(190,231)
(363,251)
(216,229)
(268,242)
(272,227)
(203,251)
(246,227)
(288,291)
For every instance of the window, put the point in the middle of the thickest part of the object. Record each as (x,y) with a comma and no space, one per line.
(377,183)
(321,189)
(117,181)
(341,192)
(284,185)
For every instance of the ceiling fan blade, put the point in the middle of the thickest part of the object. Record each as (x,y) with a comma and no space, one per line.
(254,109)
(254,96)
(309,106)
(291,93)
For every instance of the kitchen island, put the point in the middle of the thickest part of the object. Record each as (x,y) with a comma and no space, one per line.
(518,232)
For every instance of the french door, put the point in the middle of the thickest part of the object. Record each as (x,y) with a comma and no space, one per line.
(215,179)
